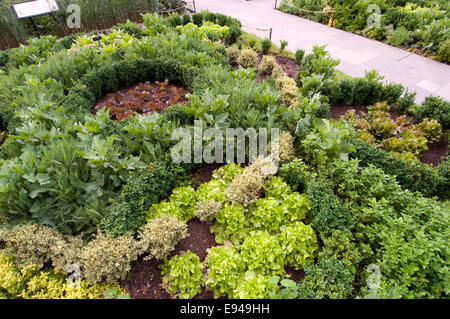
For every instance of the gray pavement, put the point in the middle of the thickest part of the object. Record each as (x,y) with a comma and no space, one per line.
(356,53)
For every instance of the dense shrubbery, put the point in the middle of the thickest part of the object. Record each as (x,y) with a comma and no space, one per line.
(369,90)
(144,188)
(412,175)
(435,108)
(30,283)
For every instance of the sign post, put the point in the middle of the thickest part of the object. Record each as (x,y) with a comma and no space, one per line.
(35,8)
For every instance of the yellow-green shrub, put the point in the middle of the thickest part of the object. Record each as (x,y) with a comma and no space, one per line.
(267,64)
(288,88)
(108,259)
(159,237)
(207,210)
(247,58)
(246,188)
(34,284)
(286,147)
(277,71)
(232,55)
(31,244)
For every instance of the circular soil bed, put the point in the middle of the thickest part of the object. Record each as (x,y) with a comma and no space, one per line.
(142,98)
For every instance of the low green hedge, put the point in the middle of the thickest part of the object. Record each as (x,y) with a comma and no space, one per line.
(414,176)
(110,78)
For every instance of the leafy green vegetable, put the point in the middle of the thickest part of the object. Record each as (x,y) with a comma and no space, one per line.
(183,275)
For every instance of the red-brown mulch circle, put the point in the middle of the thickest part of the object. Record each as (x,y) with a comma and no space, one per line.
(145,280)
(142,98)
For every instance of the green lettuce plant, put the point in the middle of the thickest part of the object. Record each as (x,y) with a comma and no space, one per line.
(182,275)
(262,253)
(230,222)
(299,242)
(225,269)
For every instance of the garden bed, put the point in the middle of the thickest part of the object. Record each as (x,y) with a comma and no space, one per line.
(142,99)
(104,196)
(145,280)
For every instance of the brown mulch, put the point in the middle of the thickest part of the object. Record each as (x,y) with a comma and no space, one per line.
(435,152)
(296,275)
(204,173)
(145,280)
(289,66)
(338,110)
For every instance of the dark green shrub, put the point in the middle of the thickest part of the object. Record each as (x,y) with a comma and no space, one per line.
(329,279)
(343,92)
(176,113)
(233,35)
(222,19)
(414,176)
(341,245)
(327,210)
(174,20)
(144,188)
(443,170)
(299,54)
(197,19)
(435,108)
(209,16)
(366,91)
(66,42)
(283,45)
(392,93)
(4,58)
(443,53)
(406,101)
(265,46)
(296,174)
(186,19)
(322,111)
(377,33)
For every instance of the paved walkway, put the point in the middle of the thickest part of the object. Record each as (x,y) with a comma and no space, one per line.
(355,52)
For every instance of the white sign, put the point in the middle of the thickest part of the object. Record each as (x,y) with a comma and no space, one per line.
(35,8)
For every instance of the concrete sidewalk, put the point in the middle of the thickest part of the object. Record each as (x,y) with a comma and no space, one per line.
(356,53)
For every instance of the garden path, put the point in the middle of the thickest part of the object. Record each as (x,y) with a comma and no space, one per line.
(356,53)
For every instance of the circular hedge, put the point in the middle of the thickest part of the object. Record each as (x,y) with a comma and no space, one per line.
(110,78)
